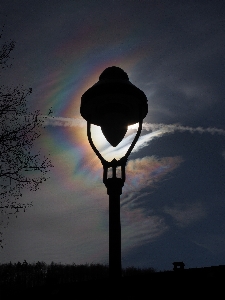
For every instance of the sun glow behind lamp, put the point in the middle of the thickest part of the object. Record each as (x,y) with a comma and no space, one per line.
(114,103)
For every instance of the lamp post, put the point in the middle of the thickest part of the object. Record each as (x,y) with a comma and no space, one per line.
(114,103)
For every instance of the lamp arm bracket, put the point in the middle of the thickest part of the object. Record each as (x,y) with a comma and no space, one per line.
(135,140)
(103,161)
(114,163)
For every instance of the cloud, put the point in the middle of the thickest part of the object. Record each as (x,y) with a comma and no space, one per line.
(215,243)
(171,128)
(146,172)
(137,228)
(223,154)
(186,214)
(150,131)
(159,128)
(140,225)
(60,121)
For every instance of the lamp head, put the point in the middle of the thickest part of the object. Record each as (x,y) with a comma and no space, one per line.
(114,103)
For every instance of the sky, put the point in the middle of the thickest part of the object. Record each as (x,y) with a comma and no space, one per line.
(173,200)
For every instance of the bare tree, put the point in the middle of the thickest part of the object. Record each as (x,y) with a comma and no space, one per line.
(20,166)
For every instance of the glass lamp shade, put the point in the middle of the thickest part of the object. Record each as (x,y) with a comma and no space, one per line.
(114,103)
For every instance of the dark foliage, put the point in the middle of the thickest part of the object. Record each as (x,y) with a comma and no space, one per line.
(24,276)
(20,166)
(42,280)
(5,51)
(20,276)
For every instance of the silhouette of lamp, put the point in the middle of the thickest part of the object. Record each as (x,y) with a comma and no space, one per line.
(114,103)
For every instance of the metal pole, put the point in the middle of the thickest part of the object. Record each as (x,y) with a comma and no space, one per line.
(114,190)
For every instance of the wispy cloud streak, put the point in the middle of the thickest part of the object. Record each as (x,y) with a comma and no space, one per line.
(155,131)
(63,122)
(158,130)
(163,128)
(177,127)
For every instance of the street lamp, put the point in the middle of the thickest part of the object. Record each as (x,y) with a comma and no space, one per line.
(113,103)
